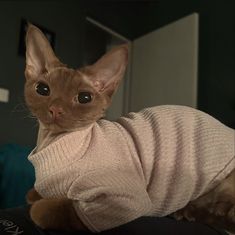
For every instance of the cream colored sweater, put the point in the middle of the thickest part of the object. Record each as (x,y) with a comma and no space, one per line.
(150,163)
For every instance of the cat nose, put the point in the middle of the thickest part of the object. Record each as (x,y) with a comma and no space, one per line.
(55,112)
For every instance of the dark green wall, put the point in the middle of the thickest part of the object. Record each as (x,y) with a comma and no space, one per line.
(217,60)
(216,87)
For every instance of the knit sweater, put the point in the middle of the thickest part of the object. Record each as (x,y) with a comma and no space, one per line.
(150,163)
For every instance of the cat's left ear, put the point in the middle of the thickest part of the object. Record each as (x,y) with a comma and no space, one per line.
(40,57)
(108,71)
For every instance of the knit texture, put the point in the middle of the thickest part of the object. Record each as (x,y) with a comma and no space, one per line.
(150,163)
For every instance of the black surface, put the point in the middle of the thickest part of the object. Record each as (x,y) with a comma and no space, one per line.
(16,221)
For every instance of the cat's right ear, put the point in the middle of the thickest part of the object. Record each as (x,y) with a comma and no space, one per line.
(108,71)
(40,57)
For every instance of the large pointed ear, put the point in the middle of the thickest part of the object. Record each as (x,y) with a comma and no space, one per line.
(40,57)
(108,71)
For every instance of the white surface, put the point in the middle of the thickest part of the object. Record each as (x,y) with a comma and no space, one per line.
(4,95)
(165,65)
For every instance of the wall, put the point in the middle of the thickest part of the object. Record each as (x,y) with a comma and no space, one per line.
(131,19)
(67,22)
(169,74)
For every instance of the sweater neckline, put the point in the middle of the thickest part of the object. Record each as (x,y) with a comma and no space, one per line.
(62,152)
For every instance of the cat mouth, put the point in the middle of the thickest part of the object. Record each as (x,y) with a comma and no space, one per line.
(57,125)
(55,122)
(51,123)
(52,120)
(54,127)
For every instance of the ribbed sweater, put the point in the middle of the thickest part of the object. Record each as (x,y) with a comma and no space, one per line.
(149,163)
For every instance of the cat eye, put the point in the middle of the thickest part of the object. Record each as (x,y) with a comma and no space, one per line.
(42,89)
(84,97)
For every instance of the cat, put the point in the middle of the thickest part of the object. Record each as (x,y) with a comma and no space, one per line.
(69,104)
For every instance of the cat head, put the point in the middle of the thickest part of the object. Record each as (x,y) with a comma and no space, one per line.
(65,99)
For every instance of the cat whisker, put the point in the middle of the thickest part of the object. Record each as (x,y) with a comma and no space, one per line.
(21,107)
(31,117)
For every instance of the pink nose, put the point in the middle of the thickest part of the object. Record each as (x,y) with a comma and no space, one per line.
(55,112)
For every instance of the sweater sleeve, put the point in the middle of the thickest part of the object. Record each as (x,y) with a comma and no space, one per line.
(105,201)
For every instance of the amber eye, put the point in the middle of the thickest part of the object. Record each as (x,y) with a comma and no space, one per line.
(84,97)
(42,89)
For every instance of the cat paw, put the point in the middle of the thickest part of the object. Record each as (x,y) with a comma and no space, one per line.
(51,213)
(221,209)
(185,213)
(32,196)
(40,214)
(55,214)
(231,214)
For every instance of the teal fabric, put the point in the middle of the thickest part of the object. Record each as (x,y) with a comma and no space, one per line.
(16,175)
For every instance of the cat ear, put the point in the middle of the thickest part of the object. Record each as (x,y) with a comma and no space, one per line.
(40,57)
(108,71)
